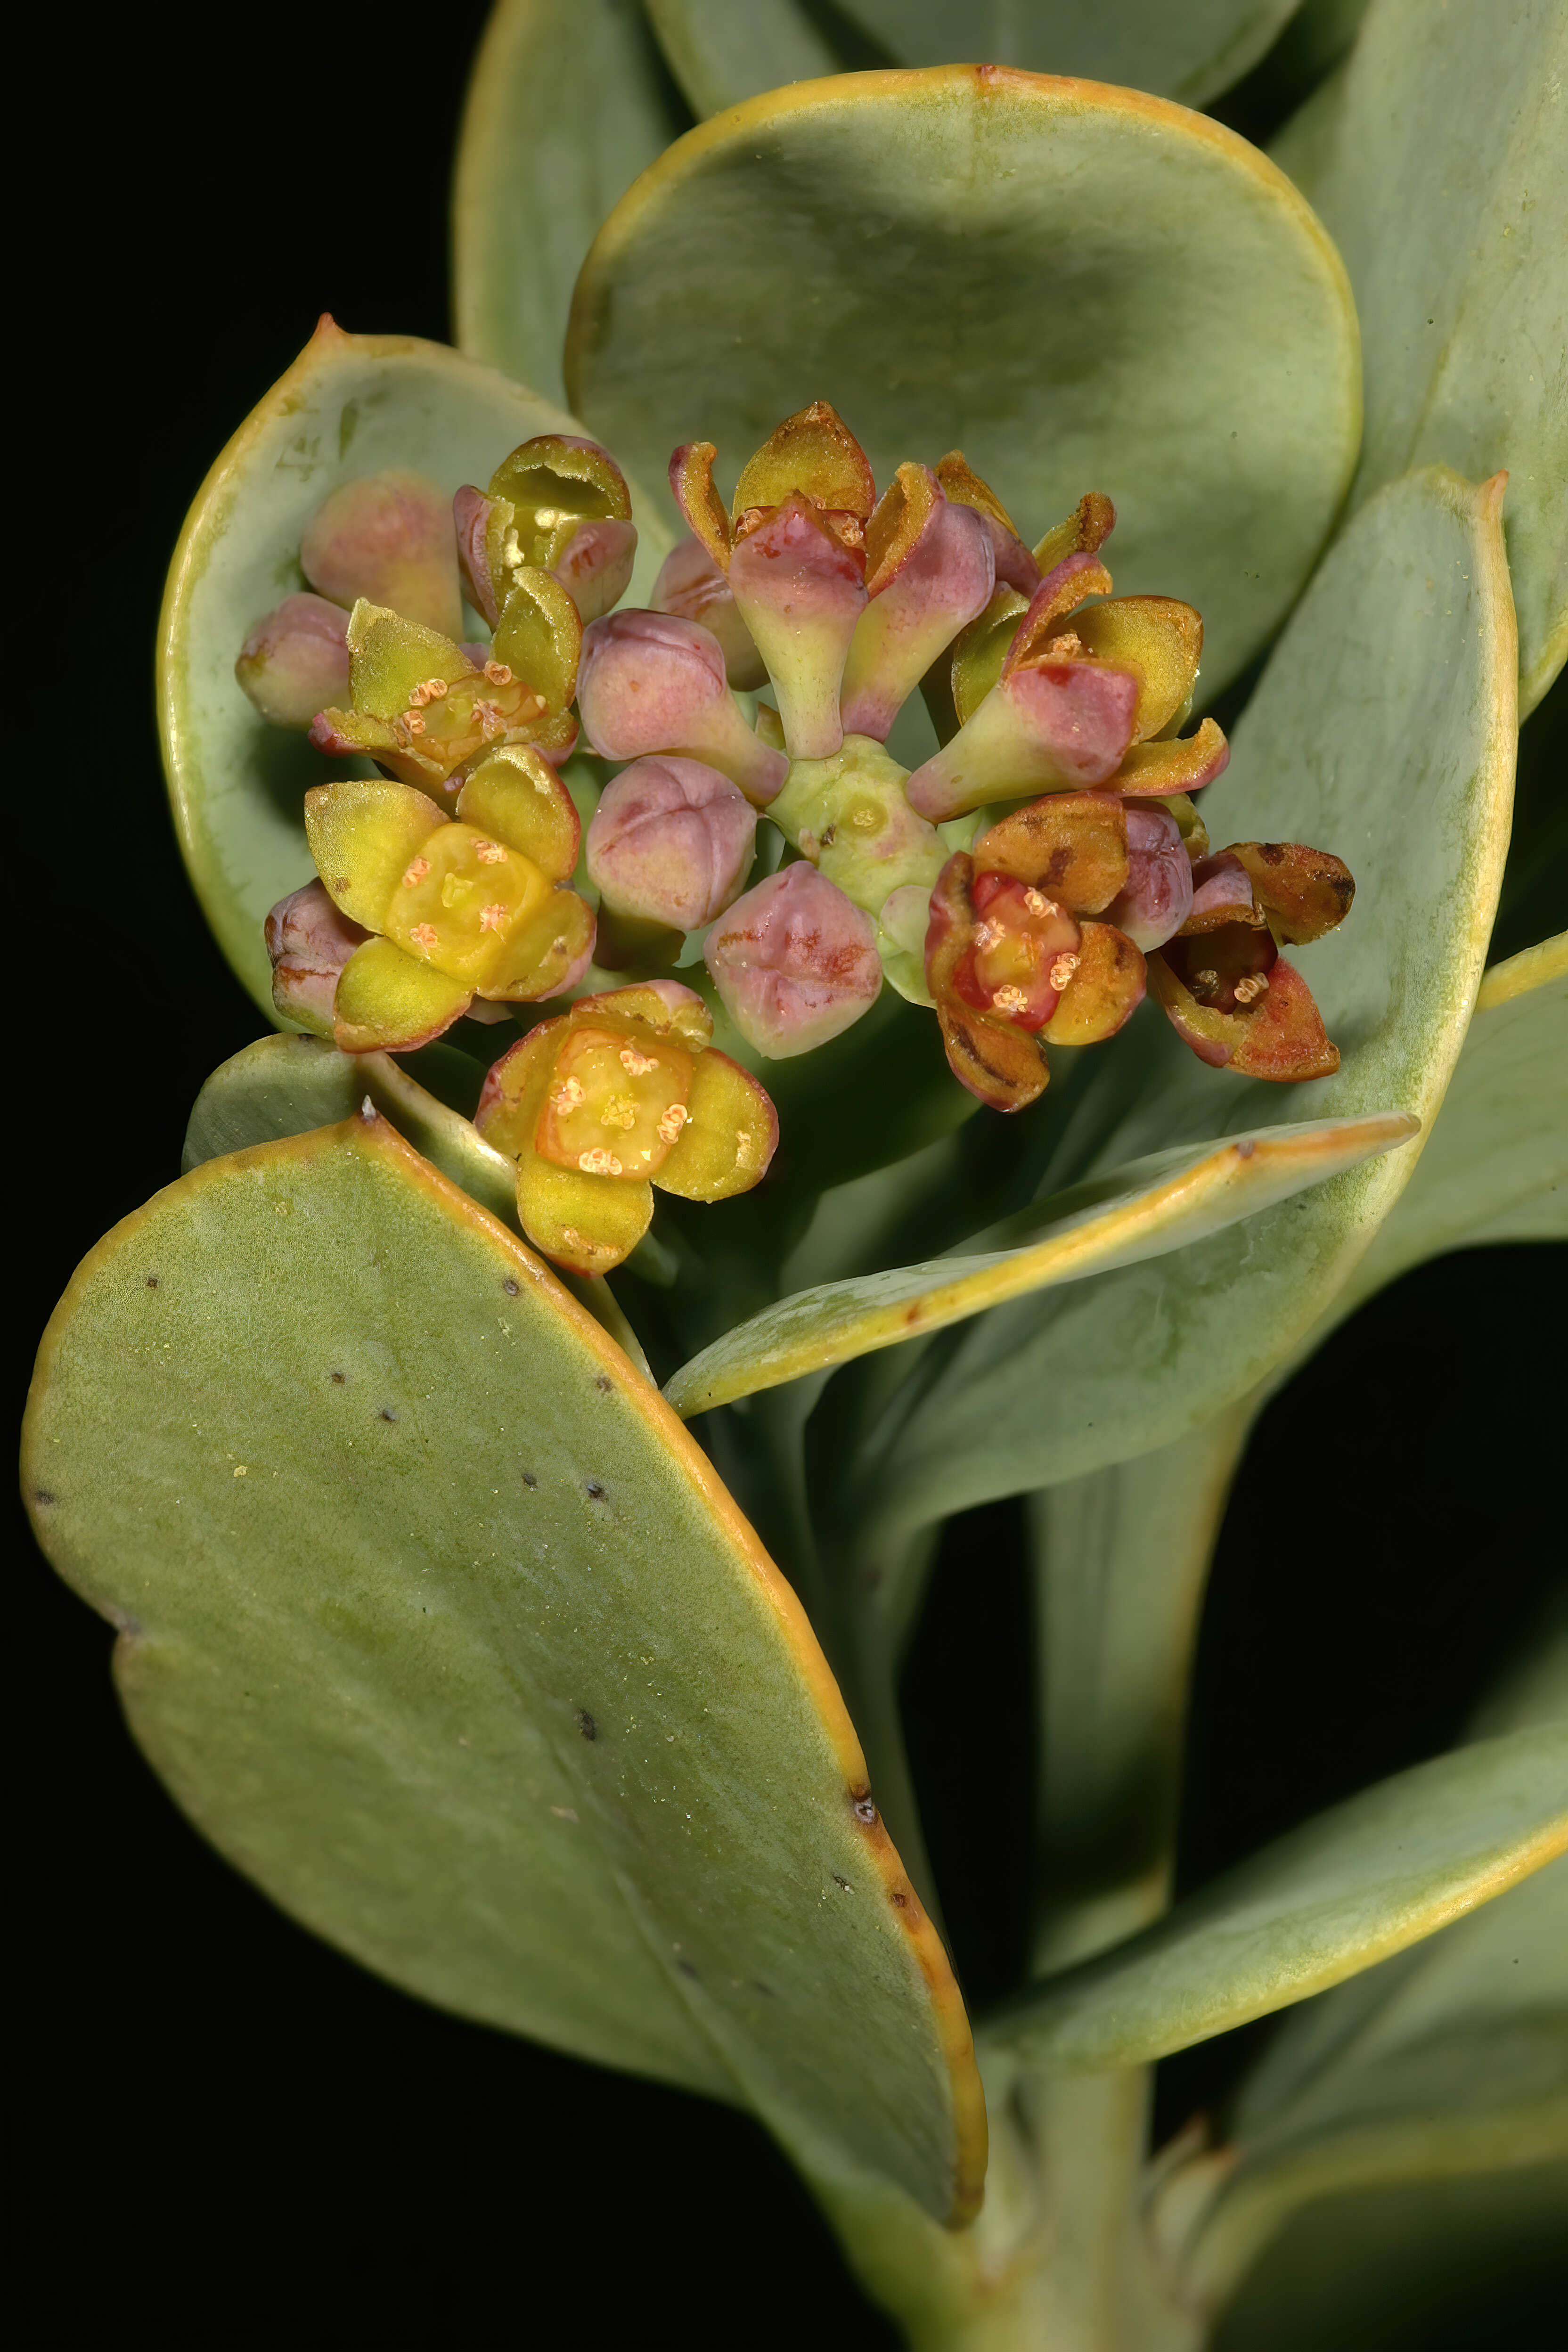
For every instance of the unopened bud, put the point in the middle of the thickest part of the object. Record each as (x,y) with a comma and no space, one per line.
(470,517)
(308,941)
(295,661)
(671,842)
(691,584)
(651,682)
(389,539)
(795,962)
(1049,724)
(1157,897)
(930,571)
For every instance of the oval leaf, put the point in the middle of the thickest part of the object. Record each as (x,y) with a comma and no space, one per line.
(1359,1882)
(1383,726)
(437,1624)
(1157,1205)
(1188,53)
(350,404)
(569,102)
(1458,249)
(1084,288)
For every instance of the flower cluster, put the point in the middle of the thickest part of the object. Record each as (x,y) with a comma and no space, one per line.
(1030,882)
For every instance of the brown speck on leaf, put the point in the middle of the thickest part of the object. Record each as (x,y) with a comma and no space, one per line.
(865,1811)
(387,1413)
(1246,1150)
(509,1286)
(841,1882)
(603,1383)
(42,1496)
(529,1479)
(898,1896)
(594,1490)
(586,1725)
(337,1379)
(686,1968)
(151,1282)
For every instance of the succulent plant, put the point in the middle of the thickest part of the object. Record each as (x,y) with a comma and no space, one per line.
(836,851)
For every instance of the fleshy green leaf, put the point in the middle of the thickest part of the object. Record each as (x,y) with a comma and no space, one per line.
(1496,1168)
(290,1086)
(568,102)
(1449,2059)
(1345,1891)
(1189,53)
(350,404)
(440,1626)
(1157,1205)
(720,54)
(1084,289)
(1383,727)
(1458,249)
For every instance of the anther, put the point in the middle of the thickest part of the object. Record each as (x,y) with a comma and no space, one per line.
(416,872)
(424,938)
(598,1163)
(498,673)
(635,1065)
(1062,970)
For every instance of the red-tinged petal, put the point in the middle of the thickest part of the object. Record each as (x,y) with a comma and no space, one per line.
(693,586)
(1158,895)
(1021,951)
(1072,844)
(730,1134)
(930,571)
(1213,1036)
(652,682)
(666,1006)
(295,662)
(691,485)
(1104,992)
(795,961)
(1284,1036)
(308,943)
(1002,1066)
(800,591)
(1304,892)
(387,537)
(1013,565)
(1052,723)
(513,1092)
(671,842)
(812,454)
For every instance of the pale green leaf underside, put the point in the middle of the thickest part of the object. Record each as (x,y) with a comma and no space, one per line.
(1382,728)
(1449,2059)
(1496,1168)
(350,404)
(1084,288)
(1161,1203)
(1188,53)
(439,1627)
(1345,1891)
(1439,159)
(719,53)
(567,104)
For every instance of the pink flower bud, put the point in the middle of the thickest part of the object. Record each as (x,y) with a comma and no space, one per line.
(671,842)
(933,576)
(801,592)
(389,539)
(470,518)
(1158,896)
(598,565)
(651,682)
(795,961)
(308,941)
(295,661)
(692,585)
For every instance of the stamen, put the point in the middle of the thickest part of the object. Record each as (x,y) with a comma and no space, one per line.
(416,872)
(638,1065)
(670,1123)
(1062,970)
(598,1163)
(493,917)
(424,936)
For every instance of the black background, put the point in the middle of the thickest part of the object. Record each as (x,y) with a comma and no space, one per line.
(222,2133)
